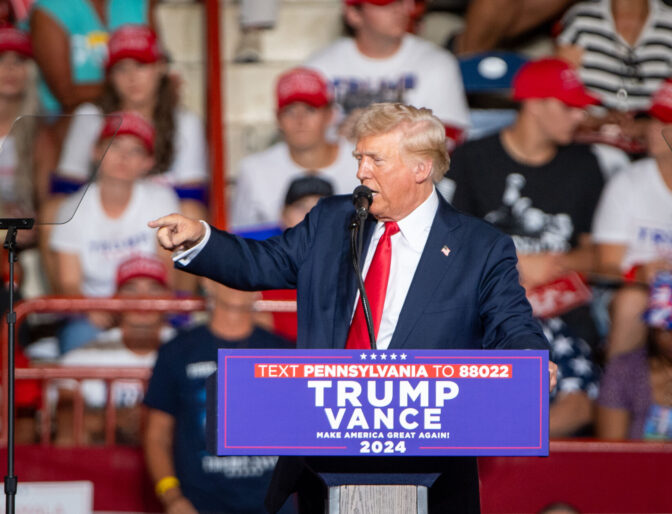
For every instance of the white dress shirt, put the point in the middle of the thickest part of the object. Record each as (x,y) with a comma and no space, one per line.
(407,247)
(185,257)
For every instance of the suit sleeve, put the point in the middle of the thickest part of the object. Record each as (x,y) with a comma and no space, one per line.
(506,314)
(252,265)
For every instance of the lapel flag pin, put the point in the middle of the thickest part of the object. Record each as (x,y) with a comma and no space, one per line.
(445,251)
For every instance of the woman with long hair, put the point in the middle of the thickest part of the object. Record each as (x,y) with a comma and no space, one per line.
(137,80)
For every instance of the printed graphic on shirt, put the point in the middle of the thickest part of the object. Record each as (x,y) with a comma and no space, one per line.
(576,370)
(230,466)
(354,93)
(201,369)
(653,239)
(238,466)
(532,229)
(115,249)
(89,48)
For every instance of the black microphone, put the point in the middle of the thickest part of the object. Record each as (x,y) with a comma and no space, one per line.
(362,197)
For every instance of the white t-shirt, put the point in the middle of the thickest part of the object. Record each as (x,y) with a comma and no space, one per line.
(420,74)
(264,177)
(101,242)
(125,394)
(190,157)
(109,351)
(635,209)
(612,160)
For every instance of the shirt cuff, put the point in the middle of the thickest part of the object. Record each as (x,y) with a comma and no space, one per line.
(185,257)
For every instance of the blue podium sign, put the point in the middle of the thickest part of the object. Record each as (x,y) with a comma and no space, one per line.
(384,402)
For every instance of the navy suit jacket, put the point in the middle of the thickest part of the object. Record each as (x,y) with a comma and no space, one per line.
(465,292)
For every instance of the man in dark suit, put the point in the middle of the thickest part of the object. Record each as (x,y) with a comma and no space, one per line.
(439,279)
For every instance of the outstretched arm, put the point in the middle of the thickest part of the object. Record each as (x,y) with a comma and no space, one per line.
(244,264)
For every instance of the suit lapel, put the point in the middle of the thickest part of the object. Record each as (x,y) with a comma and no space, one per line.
(347,284)
(433,265)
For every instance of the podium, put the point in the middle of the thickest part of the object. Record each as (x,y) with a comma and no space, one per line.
(409,412)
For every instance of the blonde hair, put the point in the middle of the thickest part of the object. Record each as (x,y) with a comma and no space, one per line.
(424,134)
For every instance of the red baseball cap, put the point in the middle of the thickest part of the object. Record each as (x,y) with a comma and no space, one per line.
(131,124)
(374,2)
(136,42)
(551,78)
(14,40)
(302,85)
(661,103)
(146,266)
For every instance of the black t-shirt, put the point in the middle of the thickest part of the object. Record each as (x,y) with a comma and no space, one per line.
(213,484)
(544,208)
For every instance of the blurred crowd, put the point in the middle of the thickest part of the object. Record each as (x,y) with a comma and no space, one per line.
(568,152)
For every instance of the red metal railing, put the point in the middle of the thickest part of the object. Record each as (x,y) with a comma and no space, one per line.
(48,374)
(109,375)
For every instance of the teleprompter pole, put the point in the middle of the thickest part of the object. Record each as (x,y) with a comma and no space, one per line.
(11,481)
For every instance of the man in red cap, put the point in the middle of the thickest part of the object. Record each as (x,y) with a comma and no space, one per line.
(304,113)
(530,180)
(383,63)
(133,344)
(633,227)
(533,183)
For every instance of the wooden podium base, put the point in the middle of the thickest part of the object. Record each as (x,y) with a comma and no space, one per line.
(374,499)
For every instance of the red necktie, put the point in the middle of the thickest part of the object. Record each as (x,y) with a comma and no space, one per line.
(376,287)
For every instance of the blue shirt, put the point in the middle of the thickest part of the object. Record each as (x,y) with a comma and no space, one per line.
(88,35)
(235,484)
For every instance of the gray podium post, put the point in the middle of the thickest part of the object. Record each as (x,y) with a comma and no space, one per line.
(353,489)
(391,493)
(393,499)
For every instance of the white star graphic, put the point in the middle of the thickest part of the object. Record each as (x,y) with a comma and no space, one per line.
(362,356)
(570,385)
(383,356)
(562,346)
(393,356)
(403,356)
(581,366)
(372,356)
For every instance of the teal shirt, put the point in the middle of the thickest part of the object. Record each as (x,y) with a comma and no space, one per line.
(88,37)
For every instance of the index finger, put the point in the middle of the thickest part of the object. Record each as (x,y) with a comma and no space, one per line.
(164,221)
